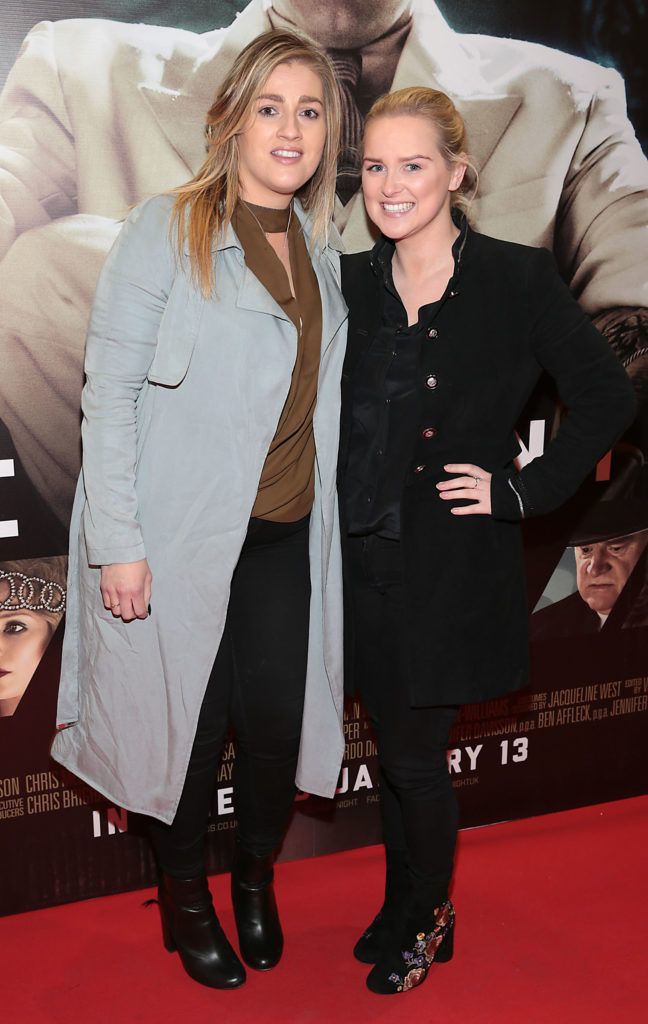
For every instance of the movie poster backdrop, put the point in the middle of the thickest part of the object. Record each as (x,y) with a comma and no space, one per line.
(72,162)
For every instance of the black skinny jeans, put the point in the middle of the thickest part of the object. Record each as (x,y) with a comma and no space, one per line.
(418,805)
(256,686)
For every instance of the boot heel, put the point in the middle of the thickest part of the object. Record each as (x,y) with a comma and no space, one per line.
(445,951)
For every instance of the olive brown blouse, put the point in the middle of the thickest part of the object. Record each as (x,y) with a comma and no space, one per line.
(286,487)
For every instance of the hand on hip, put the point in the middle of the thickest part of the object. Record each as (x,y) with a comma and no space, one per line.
(473,483)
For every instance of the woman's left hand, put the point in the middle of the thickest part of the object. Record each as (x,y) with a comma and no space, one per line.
(474,484)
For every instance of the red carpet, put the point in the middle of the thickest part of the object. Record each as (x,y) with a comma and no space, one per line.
(551,929)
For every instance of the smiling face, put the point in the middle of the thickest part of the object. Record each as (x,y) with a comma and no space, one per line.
(602,569)
(281,149)
(24,636)
(406,180)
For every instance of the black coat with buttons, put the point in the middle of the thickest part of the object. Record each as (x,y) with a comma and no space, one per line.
(505,318)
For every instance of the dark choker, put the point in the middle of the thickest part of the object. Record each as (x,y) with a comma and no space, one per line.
(271,221)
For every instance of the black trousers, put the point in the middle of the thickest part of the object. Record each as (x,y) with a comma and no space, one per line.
(418,805)
(256,686)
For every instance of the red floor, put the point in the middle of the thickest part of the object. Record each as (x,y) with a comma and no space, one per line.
(551,929)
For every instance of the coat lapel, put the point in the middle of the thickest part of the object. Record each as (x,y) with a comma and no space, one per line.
(437,57)
(360,282)
(365,287)
(326,267)
(180,110)
(252,295)
(334,309)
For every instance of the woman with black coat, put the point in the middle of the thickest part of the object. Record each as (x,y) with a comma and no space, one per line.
(449,331)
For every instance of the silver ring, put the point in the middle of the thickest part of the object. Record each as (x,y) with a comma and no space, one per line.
(476,479)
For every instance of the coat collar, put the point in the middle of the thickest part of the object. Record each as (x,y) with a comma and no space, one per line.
(368,288)
(253,296)
(433,55)
(382,253)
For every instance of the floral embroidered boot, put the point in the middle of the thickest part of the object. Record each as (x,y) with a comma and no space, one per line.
(406,964)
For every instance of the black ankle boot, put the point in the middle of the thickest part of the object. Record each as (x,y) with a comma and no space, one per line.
(412,950)
(371,944)
(190,926)
(255,910)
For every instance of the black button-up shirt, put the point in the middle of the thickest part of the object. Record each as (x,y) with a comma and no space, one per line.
(386,394)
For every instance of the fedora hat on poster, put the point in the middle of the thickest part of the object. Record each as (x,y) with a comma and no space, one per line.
(622,509)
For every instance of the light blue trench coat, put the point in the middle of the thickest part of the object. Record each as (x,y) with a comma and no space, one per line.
(181,403)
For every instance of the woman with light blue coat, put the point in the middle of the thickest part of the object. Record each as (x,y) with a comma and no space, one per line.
(205,580)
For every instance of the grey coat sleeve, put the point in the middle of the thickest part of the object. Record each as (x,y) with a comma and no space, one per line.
(129,302)
(591,383)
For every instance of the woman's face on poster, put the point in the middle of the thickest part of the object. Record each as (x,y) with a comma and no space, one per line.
(24,636)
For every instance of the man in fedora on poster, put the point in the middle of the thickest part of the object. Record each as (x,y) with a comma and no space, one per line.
(96,115)
(611,556)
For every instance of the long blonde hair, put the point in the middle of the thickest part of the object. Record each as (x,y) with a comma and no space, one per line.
(418,101)
(204,205)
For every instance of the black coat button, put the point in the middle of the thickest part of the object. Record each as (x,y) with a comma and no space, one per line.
(432,333)
(431,382)
(419,469)
(428,433)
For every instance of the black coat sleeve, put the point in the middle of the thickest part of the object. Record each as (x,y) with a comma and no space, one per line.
(591,383)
